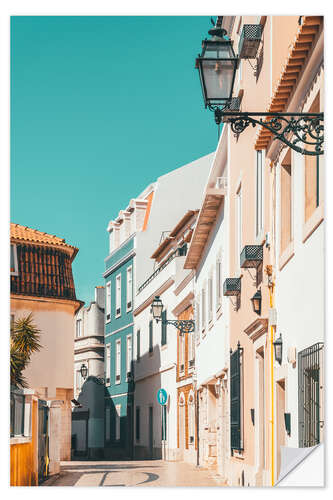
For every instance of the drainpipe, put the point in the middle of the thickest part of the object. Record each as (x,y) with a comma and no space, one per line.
(197,419)
(271,304)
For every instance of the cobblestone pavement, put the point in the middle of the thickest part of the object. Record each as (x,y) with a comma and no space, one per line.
(133,473)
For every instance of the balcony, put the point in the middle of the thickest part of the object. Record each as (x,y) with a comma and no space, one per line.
(232,286)
(251,256)
(176,253)
(249,41)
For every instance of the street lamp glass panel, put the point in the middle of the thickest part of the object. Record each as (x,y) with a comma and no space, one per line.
(218,79)
(157,308)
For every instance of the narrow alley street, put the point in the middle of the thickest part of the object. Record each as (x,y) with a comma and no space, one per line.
(133,473)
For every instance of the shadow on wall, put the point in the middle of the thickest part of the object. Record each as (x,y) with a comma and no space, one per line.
(148,443)
(88,421)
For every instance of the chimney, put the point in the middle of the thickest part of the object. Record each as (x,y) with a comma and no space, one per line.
(100,296)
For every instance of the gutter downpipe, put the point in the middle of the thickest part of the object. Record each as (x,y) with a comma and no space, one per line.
(271,303)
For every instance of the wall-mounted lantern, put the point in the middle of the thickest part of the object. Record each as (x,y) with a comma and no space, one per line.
(84,371)
(183,325)
(217,65)
(256,302)
(278,349)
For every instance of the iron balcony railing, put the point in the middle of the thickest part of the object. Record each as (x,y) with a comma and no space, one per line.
(310,395)
(178,252)
(251,256)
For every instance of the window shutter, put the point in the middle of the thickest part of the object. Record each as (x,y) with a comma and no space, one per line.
(164,329)
(235,399)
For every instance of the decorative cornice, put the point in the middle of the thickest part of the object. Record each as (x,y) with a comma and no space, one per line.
(257,328)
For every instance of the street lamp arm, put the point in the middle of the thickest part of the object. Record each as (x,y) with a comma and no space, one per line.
(184,325)
(290,128)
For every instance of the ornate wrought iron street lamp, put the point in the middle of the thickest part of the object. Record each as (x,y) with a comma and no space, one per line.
(183,325)
(217,67)
(256,302)
(278,349)
(84,371)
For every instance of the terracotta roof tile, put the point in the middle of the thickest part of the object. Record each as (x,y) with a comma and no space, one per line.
(24,233)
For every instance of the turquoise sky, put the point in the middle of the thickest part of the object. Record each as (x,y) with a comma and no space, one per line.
(100,107)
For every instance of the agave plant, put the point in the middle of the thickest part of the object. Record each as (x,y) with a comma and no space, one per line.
(24,340)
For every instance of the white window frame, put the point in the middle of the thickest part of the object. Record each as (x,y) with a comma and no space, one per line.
(259,190)
(108,365)
(78,381)
(118,296)
(129,355)
(210,298)
(108,302)
(203,309)
(239,232)
(78,330)
(181,353)
(117,429)
(190,350)
(219,282)
(129,288)
(118,362)
(15,272)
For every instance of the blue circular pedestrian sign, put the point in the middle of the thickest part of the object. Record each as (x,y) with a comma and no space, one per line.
(162,396)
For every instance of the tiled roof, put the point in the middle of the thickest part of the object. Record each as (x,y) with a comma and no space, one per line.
(24,233)
(293,67)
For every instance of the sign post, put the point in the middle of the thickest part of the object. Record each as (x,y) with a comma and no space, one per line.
(162,398)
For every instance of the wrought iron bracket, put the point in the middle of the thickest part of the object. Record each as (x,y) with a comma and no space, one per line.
(293,129)
(183,325)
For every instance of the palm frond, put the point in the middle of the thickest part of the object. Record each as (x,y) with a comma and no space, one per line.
(25,336)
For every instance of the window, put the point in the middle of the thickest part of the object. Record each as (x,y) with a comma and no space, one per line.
(286,202)
(107,423)
(190,347)
(312,197)
(181,337)
(203,309)
(164,328)
(129,289)
(78,328)
(13,260)
(118,296)
(138,346)
(210,298)
(239,225)
(197,319)
(108,301)
(310,395)
(218,283)
(236,400)
(129,356)
(107,364)
(117,433)
(259,192)
(118,360)
(151,335)
(79,381)
(137,423)
(182,251)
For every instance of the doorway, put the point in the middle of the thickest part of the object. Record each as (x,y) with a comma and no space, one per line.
(280,426)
